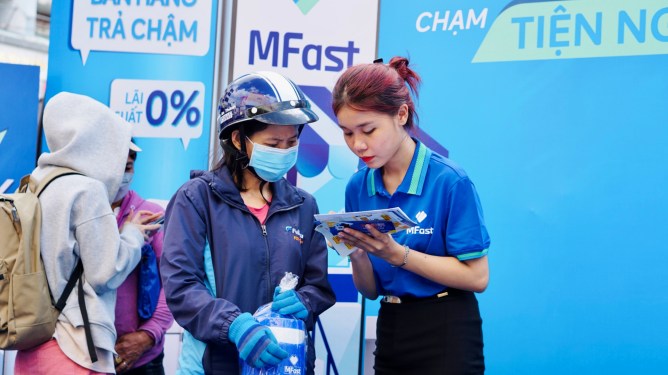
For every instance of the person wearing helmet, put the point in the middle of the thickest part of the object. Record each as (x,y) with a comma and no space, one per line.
(233,232)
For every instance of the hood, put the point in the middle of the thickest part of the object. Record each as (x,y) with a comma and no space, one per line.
(86,136)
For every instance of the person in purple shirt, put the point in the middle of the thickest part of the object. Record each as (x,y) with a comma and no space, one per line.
(140,342)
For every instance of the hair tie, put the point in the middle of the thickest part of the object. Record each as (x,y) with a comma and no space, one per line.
(378,61)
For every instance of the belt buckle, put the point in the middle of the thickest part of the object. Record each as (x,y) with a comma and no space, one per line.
(391,299)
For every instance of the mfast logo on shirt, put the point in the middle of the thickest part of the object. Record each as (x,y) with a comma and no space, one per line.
(296,234)
(418,230)
(420,216)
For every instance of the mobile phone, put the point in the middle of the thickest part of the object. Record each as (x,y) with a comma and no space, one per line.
(158,221)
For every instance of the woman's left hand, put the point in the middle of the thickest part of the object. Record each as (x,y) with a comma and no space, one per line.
(130,347)
(379,244)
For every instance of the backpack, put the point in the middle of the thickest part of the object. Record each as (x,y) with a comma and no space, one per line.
(28,313)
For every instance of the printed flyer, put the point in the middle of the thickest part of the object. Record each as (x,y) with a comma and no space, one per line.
(389,220)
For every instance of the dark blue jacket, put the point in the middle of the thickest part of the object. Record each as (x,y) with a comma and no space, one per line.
(249,259)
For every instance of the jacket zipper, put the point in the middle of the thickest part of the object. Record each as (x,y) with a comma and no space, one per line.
(268,257)
(266,242)
(263,227)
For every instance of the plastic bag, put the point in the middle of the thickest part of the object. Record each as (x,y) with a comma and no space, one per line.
(149,283)
(290,333)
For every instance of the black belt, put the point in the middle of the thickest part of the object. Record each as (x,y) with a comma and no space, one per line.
(409,299)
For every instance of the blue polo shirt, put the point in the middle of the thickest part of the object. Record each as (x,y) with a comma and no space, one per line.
(439,196)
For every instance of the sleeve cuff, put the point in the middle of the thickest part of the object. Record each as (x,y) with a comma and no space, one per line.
(472,255)
(151,330)
(225,329)
(133,232)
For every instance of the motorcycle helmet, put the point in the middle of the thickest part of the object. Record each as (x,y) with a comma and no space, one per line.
(262,96)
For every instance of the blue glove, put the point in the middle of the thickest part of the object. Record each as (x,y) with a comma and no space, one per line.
(288,303)
(257,345)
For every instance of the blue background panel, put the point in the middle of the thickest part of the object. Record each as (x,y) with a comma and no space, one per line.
(343,287)
(568,156)
(19,102)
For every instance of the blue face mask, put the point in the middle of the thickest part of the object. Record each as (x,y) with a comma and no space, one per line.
(272,163)
(125,186)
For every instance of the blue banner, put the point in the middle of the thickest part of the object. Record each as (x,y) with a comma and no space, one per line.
(19,102)
(556,111)
(152,63)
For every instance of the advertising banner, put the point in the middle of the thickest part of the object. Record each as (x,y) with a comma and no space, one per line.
(556,111)
(19,103)
(153,63)
(312,42)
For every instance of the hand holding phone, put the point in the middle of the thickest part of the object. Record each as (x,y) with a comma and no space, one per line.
(148,222)
(158,221)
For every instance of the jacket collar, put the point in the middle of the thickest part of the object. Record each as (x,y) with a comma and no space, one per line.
(285,194)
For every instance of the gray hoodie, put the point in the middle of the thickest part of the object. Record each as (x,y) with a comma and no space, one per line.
(77,220)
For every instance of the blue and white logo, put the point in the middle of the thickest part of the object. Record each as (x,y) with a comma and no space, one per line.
(294,369)
(419,230)
(420,216)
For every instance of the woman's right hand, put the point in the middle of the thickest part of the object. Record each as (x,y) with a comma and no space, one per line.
(142,219)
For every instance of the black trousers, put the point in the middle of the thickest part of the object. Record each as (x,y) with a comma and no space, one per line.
(430,336)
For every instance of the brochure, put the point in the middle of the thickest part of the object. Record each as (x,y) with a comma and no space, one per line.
(390,220)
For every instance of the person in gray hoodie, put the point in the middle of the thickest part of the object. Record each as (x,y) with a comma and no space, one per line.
(86,136)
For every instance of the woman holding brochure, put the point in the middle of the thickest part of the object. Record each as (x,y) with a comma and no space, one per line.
(429,322)
(232,233)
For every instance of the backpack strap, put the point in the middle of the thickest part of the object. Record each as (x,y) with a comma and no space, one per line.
(84,315)
(77,275)
(56,173)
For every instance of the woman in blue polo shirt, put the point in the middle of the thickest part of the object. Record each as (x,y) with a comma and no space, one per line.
(429,321)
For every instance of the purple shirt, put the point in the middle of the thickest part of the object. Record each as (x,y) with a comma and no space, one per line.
(127,319)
